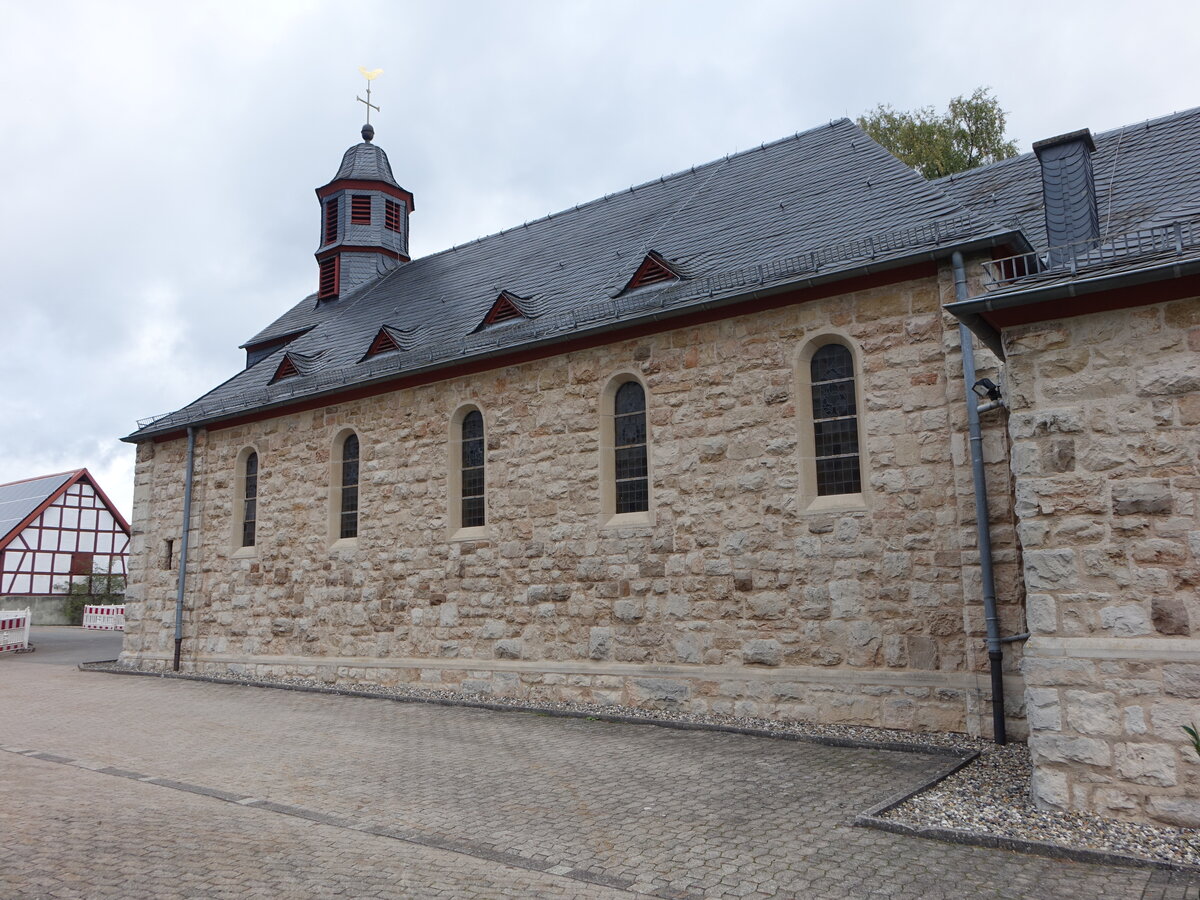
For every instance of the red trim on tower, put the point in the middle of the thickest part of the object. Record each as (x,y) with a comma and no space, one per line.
(357,184)
(323,255)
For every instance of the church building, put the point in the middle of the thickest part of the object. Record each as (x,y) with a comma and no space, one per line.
(794,433)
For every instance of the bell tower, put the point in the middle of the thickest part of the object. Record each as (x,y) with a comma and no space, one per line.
(364,217)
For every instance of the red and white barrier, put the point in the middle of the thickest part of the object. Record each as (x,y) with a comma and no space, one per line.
(14,629)
(104,618)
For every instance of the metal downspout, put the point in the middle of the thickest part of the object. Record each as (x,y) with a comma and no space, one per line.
(183,542)
(982,528)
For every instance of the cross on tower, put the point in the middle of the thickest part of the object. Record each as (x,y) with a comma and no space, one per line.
(370,76)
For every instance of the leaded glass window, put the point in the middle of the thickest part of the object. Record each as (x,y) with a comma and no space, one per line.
(835,421)
(250,500)
(349,507)
(632,482)
(472,470)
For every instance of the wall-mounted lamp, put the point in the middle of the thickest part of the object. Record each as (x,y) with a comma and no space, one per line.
(986,389)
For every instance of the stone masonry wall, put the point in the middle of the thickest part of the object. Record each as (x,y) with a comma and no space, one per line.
(1106,452)
(733,599)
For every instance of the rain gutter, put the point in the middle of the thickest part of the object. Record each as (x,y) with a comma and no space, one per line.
(983,532)
(971,311)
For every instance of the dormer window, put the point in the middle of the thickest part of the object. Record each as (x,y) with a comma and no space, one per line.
(383,343)
(391,215)
(504,309)
(653,270)
(360,209)
(327,284)
(287,369)
(331,221)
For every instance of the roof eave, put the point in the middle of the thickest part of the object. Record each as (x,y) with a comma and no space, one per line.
(972,312)
(984,242)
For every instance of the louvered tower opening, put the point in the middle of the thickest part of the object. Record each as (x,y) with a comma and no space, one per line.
(331,221)
(327,283)
(391,215)
(360,209)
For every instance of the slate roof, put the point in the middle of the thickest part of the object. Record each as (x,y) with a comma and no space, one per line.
(822,204)
(1147,182)
(1146,174)
(366,162)
(20,498)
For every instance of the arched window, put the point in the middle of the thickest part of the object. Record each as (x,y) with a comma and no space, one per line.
(348,510)
(631,476)
(835,421)
(249,498)
(471,490)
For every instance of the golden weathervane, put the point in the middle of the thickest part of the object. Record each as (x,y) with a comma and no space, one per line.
(370,76)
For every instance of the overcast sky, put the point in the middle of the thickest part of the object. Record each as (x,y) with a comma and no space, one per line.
(159,159)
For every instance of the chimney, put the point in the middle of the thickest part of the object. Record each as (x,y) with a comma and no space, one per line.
(1068,194)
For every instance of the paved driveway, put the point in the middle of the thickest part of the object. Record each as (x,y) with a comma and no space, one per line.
(145,787)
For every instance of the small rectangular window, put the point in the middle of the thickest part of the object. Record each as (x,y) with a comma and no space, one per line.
(168,554)
(360,209)
(391,215)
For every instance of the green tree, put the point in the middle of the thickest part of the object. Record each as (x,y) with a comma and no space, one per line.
(969,134)
(98,589)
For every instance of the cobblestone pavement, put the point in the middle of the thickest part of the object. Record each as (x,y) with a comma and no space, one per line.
(144,787)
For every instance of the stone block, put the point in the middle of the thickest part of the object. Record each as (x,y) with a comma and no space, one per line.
(1045,421)
(1183,812)
(688,649)
(659,690)
(1150,498)
(1181,680)
(1092,712)
(1042,709)
(1127,620)
(1169,615)
(1059,748)
(767,606)
(1050,790)
(600,643)
(491,630)
(508,649)
(762,653)
(1041,614)
(628,610)
(1050,569)
(1146,764)
(1172,377)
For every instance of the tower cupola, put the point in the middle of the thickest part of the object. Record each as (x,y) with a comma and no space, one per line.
(364,220)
